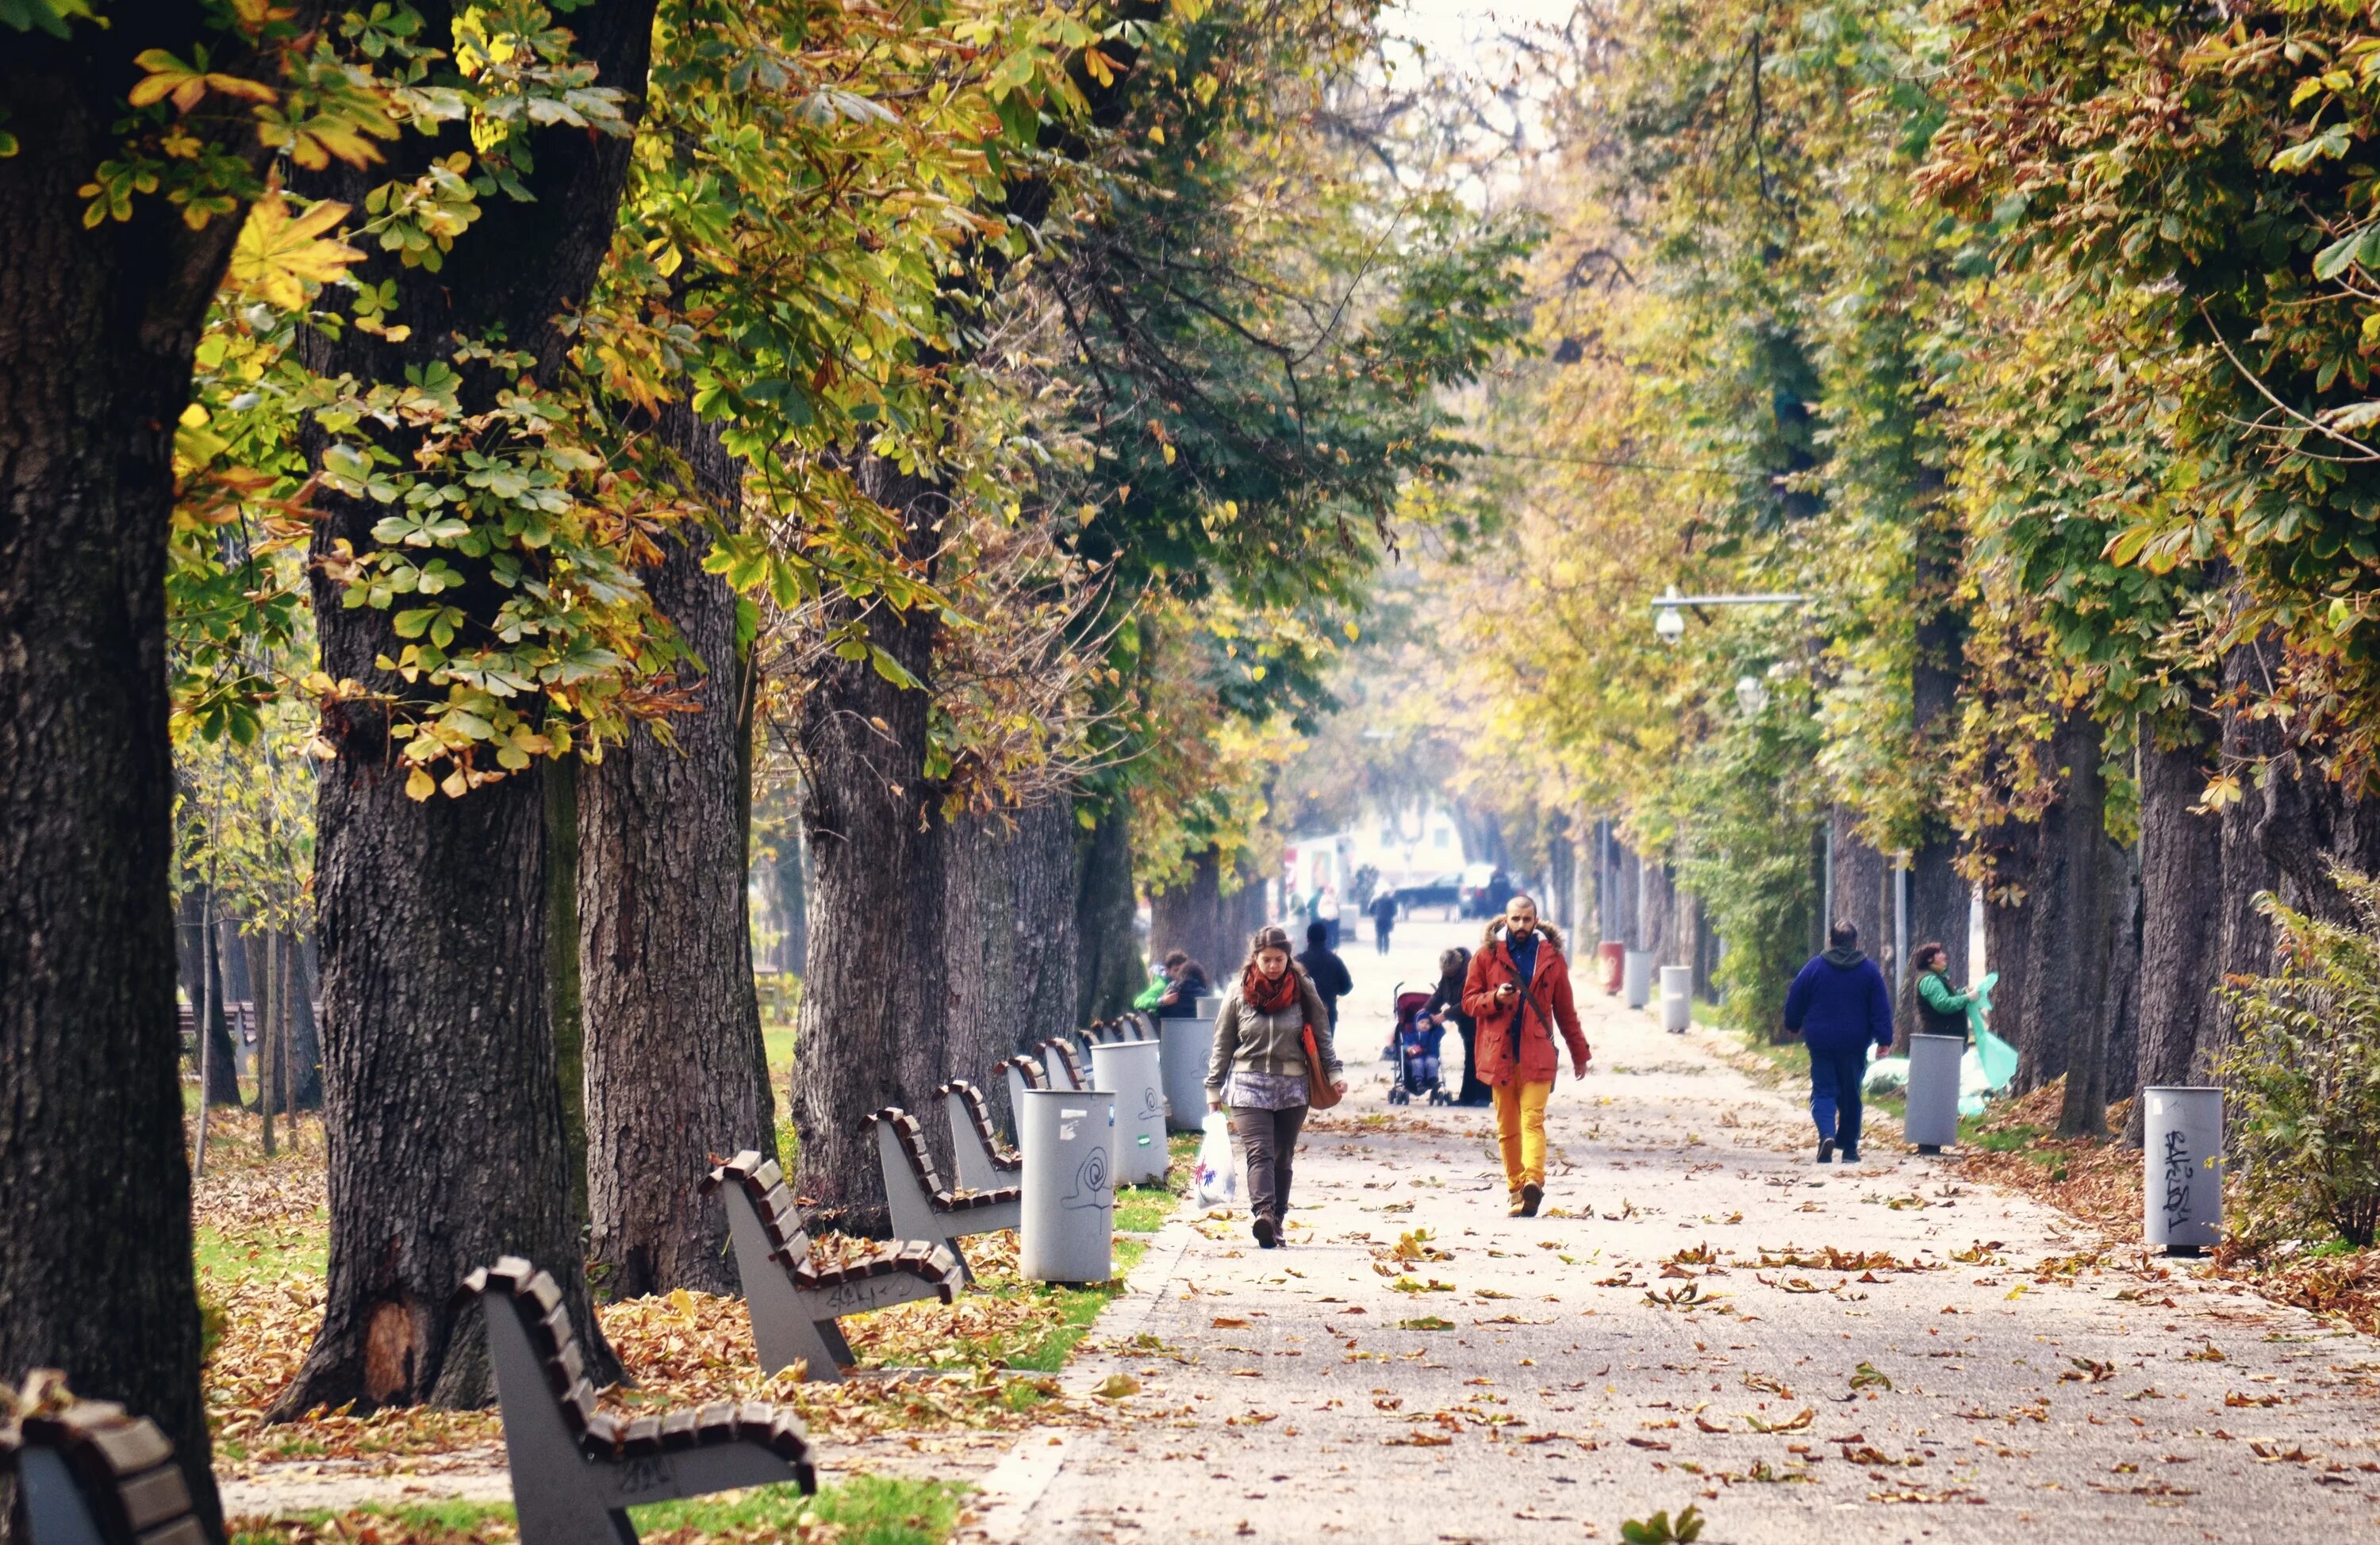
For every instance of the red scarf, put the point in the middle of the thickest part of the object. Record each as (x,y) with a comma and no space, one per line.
(1264,995)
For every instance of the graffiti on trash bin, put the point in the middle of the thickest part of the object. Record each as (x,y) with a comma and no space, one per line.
(1090,1182)
(2177,1179)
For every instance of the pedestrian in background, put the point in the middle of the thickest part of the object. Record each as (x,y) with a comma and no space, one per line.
(1325,968)
(1384,919)
(1517,987)
(1260,1072)
(1187,984)
(1942,1008)
(1445,1005)
(1839,1006)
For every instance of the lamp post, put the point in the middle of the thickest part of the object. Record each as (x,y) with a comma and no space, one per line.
(1668,608)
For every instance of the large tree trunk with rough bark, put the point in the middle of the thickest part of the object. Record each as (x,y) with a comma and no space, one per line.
(1109,972)
(2181,906)
(1863,889)
(2119,1010)
(1009,937)
(2064,990)
(98,324)
(675,1070)
(443,1108)
(871,1030)
(1196,915)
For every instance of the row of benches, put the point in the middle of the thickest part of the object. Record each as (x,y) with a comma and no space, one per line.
(92,1475)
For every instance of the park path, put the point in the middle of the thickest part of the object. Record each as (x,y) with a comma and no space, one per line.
(1967,1366)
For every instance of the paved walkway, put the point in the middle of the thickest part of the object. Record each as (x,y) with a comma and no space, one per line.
(1883,1353)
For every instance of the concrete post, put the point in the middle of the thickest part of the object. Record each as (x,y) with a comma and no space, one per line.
(1067,1229)
(1932,1122)
(1677,998)
(1636,978)
(2183,1196)
(1134,1069)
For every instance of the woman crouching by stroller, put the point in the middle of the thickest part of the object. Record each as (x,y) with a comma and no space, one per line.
(1259,1071)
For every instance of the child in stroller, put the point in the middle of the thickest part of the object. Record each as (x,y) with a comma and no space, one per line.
(1418,1036)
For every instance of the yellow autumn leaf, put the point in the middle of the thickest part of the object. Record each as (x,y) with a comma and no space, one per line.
(278,255)
(418,785)
(169,77)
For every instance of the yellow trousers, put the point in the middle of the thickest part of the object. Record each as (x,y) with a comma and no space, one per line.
(1521,1129)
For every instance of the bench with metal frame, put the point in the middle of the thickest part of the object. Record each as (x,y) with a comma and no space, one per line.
(923,1208)
(794,1301)
(983,1162)
(575,1471)
(93,1474)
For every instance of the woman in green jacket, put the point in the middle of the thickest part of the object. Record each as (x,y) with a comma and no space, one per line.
(1941,1008)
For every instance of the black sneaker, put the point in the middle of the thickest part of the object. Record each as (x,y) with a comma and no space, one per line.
(1267,1234)
(1531,1194)
(1826,1151)
(1850,1154)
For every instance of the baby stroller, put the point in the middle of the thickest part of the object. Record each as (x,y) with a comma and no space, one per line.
(1417,1042)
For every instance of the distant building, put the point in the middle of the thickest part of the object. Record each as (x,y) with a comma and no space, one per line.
(1414,848)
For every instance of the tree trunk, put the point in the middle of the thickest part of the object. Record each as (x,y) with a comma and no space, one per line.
(1109,972)
(97,329)
(675,1070)
(872,1028)
(2063,993)
(1009,936)
(789,898)
(222,1056)
(443,1109)
(2243,936)
(304,1033)
(2120,1038)
(1197,917)
(1863,888)
(565,991)
(2181,914)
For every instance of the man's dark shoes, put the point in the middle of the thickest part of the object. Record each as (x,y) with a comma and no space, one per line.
(1531,1194)
(1267,1234)
(1850,1154)
(1826,1151)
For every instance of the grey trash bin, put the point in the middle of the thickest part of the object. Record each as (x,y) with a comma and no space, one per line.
(2183,1149)
(1066,1232)
(1932,1121)
(1636,978)
(1677,998)
(1135,1070)
(1184,1048)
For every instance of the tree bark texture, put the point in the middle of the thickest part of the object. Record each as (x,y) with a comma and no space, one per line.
(1109,972)
(442,1105)
(1009,937)
(2243,935)
(1863,889)
(565,991)
(2119,1037)
(2181,912)
(222,1058)
(1197,917)
(2064,988)
(97,329)
(872,1028)
(675,1071)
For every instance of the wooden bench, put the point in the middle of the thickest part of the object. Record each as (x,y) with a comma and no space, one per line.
(576,1470)
(923,1208)
(1064,1068)
(796,1303)
(983,1163)
(92,1474)
(1022,1073)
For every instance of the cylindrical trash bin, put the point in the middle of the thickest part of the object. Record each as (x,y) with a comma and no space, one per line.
(1135,1070)
(1677,998)
(2183,1149)
(1932,1121)
(1609,955)
(1636,978)
(1066,1231)
(1184,1048)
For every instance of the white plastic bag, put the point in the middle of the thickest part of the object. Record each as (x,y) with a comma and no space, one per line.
(1217,1184)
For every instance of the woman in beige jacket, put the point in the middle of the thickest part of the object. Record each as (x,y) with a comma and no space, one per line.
(1260,1072)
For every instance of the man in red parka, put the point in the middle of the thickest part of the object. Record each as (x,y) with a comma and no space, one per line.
(1518,990)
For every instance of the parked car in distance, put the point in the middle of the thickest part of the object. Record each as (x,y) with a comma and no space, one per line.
(1445,892)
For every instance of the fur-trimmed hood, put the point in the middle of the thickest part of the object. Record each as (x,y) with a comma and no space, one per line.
(1546,930)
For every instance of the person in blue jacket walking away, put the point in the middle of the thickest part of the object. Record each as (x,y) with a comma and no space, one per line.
(1839,1006)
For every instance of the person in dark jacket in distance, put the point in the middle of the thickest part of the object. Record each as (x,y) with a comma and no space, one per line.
(1839,1006)
(1384,919)
(1325,968)
(1189,979)
(1445,1007)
